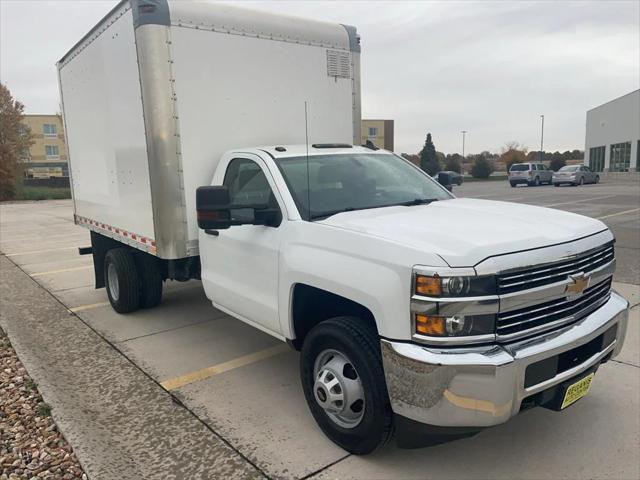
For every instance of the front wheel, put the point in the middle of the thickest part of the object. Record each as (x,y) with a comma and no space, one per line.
(344,384)
(536,182)
(581,180)
(597,179)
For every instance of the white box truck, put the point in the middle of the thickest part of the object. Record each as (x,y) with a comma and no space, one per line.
(218,143)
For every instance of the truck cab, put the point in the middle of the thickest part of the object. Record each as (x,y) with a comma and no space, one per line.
(403,317)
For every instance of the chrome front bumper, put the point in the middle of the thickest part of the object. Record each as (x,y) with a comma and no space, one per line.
(484,386)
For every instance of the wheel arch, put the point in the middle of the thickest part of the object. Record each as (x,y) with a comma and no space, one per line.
(310,305)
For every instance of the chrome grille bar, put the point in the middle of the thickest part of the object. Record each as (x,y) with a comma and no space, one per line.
(521,322)
(544,274)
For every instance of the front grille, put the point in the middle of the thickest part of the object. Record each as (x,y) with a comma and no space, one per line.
(552,314)
(524,279)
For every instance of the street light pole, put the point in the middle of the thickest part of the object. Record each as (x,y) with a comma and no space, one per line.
(542,139)
(464,132)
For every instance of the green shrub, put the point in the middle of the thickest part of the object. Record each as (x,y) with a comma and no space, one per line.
(482,167)
(43,193)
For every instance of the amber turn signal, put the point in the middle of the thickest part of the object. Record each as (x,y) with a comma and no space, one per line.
(431,286)
(430,325)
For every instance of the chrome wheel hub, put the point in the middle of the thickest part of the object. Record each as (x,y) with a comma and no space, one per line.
(112,279)
(338,389)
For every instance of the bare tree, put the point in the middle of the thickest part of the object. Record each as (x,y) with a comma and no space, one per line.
(513,152)
(15,138)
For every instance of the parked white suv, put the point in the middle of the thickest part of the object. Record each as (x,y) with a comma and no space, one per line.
(532,174)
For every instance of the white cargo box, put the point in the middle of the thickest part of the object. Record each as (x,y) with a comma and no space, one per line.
(157,91)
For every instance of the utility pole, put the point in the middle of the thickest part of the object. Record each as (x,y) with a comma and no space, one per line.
(464,132)
(542,139)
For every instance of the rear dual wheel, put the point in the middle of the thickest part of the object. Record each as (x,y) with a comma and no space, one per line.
(133,280)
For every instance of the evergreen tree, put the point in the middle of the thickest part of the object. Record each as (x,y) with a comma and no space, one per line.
(428,158)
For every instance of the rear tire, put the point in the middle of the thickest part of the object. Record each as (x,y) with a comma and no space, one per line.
(150,279)
(121,280)
(352,339)
(536,182)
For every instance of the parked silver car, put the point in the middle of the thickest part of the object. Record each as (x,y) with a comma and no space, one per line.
(575,175)
(532,174)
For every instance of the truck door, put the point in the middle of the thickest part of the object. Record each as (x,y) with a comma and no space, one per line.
(240,264)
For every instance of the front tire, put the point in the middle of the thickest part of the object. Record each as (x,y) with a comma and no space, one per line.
(597,179)
(344,384)
(121,280)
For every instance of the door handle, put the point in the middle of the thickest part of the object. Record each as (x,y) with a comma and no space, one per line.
(215,233)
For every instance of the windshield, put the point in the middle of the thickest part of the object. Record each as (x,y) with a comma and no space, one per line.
(519,167)
(358,181)
(572,168)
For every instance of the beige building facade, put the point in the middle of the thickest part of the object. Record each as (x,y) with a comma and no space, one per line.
(47,156)
(380,132)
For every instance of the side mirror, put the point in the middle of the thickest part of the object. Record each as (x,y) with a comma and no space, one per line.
(444,179)
(212,205)
(215,211)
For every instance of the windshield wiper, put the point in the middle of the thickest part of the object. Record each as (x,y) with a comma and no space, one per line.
(315,216)
(418,201)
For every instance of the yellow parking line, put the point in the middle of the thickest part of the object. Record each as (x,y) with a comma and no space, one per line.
(30,252)
(62,270)
(619,213)
(208,372)
(82,308)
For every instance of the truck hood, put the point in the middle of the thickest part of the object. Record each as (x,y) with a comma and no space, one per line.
(465,231)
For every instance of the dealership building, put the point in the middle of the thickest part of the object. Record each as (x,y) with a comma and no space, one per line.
(613,135)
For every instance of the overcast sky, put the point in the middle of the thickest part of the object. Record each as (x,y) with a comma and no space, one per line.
(490,68)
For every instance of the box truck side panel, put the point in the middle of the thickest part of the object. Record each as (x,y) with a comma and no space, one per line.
(234,91)
(100,88)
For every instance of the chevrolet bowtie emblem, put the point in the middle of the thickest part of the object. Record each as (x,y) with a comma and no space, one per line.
(579,283)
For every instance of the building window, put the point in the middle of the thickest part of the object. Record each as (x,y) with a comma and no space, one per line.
(596,158)
(373,131)
(49,130)
(620,159)
(52,151)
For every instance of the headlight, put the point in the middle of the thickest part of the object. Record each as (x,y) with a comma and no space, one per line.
(454,325)
(454,286)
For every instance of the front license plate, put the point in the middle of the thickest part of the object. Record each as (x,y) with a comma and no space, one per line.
(576,391)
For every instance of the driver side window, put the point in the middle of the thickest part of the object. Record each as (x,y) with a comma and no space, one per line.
(248,186)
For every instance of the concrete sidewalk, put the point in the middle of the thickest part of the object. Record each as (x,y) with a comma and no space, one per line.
(121,423)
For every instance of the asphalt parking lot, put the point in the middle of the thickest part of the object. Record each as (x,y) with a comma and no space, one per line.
(241,385)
